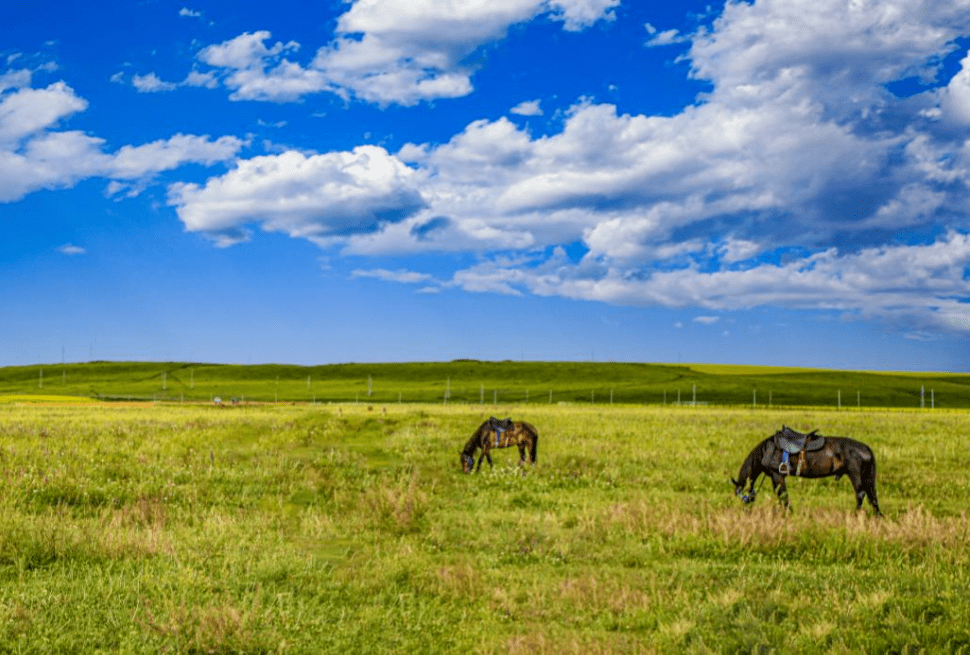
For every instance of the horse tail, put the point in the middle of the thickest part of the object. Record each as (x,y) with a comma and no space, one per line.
(869,471)
(869,482)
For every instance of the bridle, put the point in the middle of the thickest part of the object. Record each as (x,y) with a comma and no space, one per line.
(749,498)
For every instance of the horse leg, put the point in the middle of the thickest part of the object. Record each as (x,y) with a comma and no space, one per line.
(863,478)
(855,477)
(521,455)
(873,501)
(869,482)
(778,482)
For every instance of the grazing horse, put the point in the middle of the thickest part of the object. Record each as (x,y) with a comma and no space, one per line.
(499,434)
(838,456)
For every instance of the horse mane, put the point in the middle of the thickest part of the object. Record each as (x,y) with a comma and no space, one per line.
(750,464)
(475,441)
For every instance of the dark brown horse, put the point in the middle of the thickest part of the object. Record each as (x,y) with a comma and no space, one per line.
(840,456)
(499,434)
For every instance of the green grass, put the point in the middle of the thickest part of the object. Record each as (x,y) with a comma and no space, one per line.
(502,382)
(341,529)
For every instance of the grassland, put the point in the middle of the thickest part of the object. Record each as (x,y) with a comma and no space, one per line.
(469,381)
(344,529)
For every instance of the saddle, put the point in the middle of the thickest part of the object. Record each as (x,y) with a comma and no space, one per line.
(791,442)
(499,426)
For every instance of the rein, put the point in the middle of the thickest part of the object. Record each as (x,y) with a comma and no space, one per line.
(750,499)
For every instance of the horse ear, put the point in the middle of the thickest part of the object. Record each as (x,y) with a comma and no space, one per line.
(813,432)
(736,484)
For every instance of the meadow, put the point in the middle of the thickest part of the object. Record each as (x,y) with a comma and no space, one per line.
(350,528)
(473,381)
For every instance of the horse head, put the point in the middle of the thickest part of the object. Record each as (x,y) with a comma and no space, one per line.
(467,462)
(739,491)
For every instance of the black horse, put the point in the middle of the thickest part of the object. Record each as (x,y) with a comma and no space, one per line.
(500,434)
(839,456)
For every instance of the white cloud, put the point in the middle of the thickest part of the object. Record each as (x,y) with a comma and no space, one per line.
(389,52)
(15,79)
(665,38)
(28,111)
(527,108)
(706,320)
(917,286)
(185,12)
(401,275)
(151,84)
(199,79)
(580,14)
(955,97)
(255,72)
(309,196)
(34,154)
(731,203)
(71,249)
(135,162)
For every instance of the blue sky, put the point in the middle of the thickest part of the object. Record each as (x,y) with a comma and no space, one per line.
(778,183)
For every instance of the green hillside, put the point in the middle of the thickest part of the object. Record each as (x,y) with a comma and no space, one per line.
(471,381)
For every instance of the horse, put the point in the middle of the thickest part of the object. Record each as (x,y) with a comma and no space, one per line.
(499,434)
(838,456)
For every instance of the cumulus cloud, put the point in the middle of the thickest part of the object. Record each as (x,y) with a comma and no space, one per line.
(310,196)
(919,287)
(388,52)
(35,154)
(151,84)
(527,108)
(665,38)
(732,203)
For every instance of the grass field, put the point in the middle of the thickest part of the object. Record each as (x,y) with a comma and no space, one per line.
(470,381)
(344,529)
